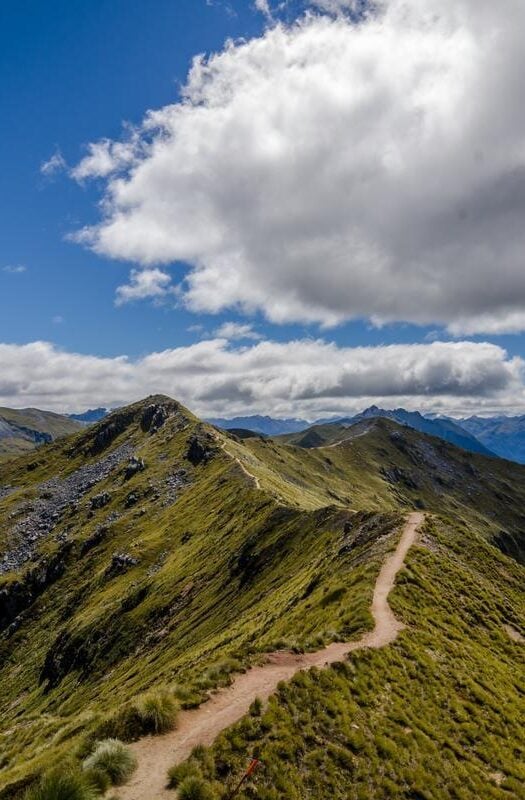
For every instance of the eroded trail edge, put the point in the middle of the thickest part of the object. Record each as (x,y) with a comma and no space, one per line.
(201,726)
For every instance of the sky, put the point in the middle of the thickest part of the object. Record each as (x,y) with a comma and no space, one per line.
(257,206)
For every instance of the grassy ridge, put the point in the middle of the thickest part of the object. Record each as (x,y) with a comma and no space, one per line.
(438,715)
(222,572)
(185,571)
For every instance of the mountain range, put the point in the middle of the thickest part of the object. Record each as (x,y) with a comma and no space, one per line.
(444,428)
(151,559)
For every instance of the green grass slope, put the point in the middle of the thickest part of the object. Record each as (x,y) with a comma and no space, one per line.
(152,551)
(437,715)
(21,430)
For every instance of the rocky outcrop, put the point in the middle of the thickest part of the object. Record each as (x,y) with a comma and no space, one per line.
(201,448)
(120,563)
(18,596)
(56,496)
(133,466)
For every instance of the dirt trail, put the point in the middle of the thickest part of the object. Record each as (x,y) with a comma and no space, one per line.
(201,726)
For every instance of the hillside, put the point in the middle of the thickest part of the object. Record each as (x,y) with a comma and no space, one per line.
(22,430)
(152,550)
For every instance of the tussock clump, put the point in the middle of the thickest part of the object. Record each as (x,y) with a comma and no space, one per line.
(196,789)
(158,712)
(153,713)
(180,773)
(68,784)
(114,758)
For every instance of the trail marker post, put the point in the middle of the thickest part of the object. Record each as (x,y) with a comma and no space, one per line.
(254,763)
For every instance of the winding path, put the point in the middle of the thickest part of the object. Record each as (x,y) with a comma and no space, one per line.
(201,726)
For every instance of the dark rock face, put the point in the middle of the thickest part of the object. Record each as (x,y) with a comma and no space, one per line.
(120,563)
(154,417)
(99,501)
(396,475)
(18,596)
(134,465)
(99,439)
(94,540)
(510,546)
(365,528)
(200,449)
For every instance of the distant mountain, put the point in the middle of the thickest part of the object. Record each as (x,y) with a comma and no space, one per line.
(90,416)
(447,429)
(24,429)
(328,431)
(258,424)
(505,436)
(444,428)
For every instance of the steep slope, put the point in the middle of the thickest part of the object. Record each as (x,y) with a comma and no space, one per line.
(505,436)
(24,429)
(152,550)
(437,715)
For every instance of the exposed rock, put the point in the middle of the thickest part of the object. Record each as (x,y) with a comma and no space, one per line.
(120,563)
(134,466)
(153,417)
(95,539)
(131,500)
(56,497)
(200,449)
(397,475)
(100,500)
(17,596)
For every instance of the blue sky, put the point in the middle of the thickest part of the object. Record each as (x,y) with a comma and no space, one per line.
(75,73)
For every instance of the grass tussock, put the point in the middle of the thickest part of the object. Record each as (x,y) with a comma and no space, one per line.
(63,784)
(113,758)
(194,788)
(158,711)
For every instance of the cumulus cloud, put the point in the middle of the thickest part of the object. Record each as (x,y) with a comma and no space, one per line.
(305,377)
(145,284)
(236,330)
(330,170)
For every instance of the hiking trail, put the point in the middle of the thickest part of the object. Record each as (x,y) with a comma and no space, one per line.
(201,726)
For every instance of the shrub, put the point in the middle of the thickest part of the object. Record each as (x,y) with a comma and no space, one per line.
(181,772)
(114,758)
(196,789)
(70,784)
(158,712)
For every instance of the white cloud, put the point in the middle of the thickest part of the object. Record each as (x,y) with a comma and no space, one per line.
(307,378)
(332,171)
(106,157)
(236,330)
(53,165)
(264,7)
(145,284)
(14,269)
